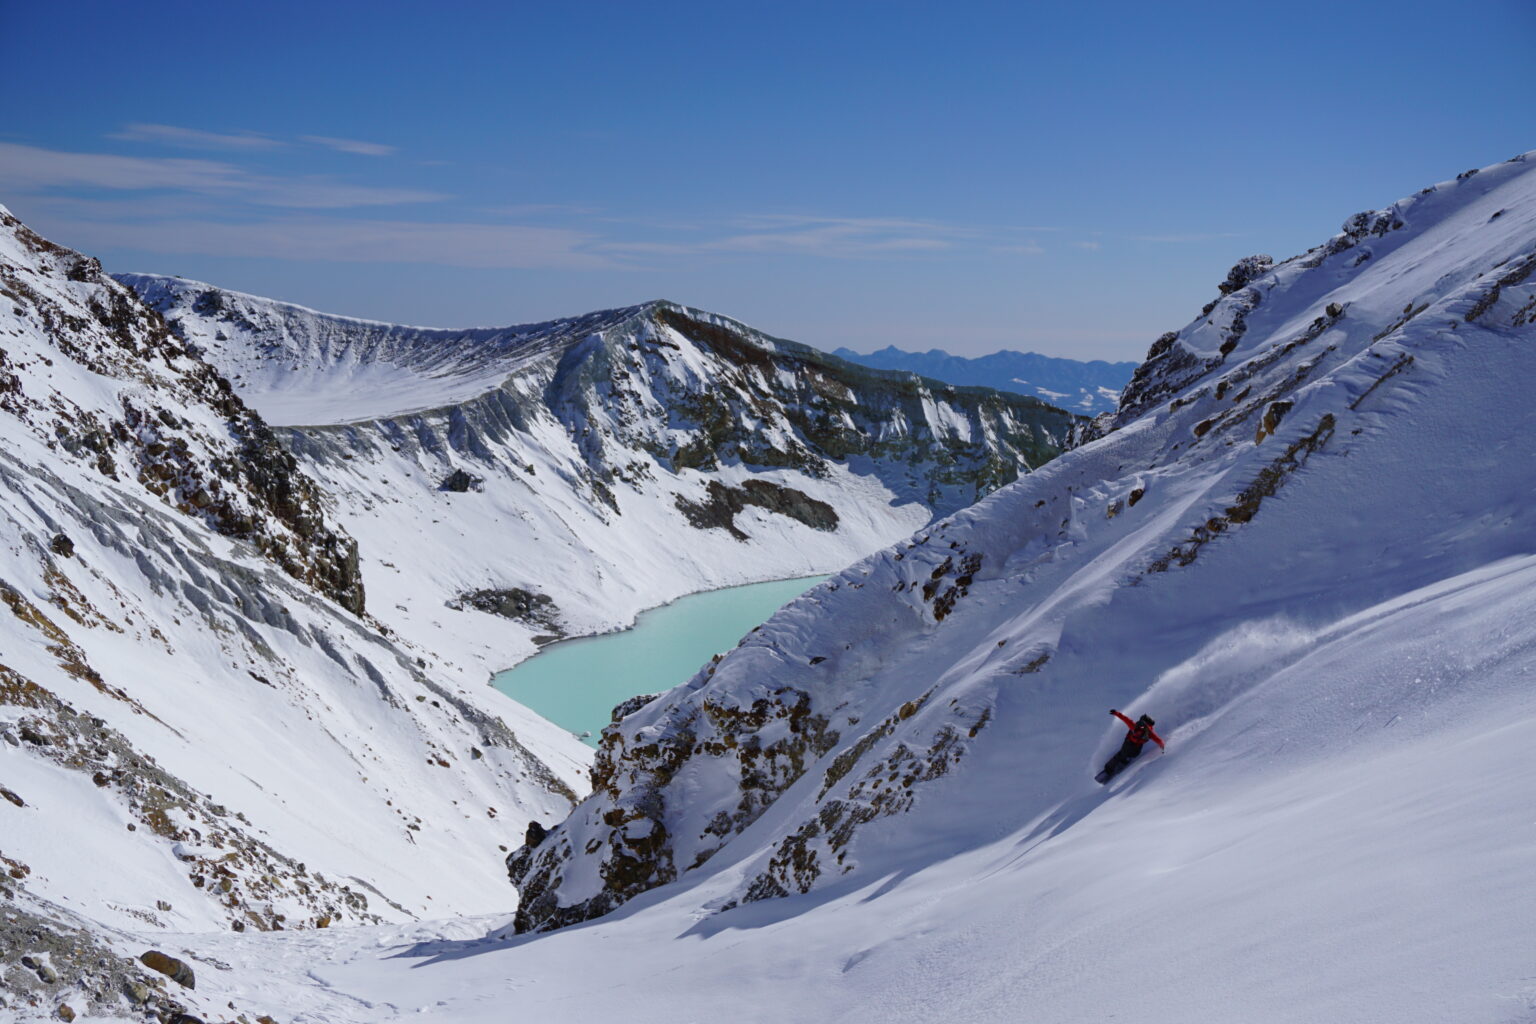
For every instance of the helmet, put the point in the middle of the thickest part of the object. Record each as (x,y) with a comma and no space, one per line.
(1146,720)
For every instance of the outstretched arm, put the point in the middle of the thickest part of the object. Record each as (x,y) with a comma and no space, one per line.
(1128,723)
(1159,739)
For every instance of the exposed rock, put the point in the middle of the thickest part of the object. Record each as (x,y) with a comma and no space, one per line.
(525,606)
(177,970)
(722,503)
(460,482)
(630,705)
(1245,270)
(239,481)
(62,546)
(63,959)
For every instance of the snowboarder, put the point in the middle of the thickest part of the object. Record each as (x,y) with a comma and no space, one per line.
(1130,750)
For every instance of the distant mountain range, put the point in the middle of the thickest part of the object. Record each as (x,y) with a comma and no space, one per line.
(1088,388)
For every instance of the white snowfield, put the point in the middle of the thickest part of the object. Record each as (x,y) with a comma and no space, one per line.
(1311,557)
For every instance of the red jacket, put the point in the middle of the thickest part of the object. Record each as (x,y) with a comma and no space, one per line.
(1140,733)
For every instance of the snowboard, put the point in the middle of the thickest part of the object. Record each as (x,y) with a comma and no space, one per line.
(1113,768)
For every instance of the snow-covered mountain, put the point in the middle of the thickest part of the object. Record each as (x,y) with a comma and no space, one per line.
(1308,549)
(201,725)
(1306,545)
(511,485)
(1089,388)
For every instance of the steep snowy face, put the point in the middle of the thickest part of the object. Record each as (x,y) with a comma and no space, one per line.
(114,406)
(556,479)
(1302,449)
(199,727)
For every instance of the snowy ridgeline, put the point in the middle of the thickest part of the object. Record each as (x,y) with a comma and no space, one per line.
(1304,550)
(1086,387)
(517,484)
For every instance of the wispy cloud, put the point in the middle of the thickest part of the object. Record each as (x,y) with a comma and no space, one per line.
(200,206)
(323,195)
(1087,244)
(804,235)
(357,146)
(32,168)
(192,138)
(29,167)
(349,241)
(196,138)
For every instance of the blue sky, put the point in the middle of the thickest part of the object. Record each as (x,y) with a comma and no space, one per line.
(1066,178)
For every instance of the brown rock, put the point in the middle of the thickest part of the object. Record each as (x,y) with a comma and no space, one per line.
(177,970)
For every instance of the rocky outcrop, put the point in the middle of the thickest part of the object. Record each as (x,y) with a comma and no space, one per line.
(722,503)
(46,954)
(1180,358)
(461,482)
(514,603)
(237,478)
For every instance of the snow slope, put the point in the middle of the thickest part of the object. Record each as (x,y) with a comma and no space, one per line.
(1089,388)
(1346,838)
(1304,452)
(201,728)
(601,455)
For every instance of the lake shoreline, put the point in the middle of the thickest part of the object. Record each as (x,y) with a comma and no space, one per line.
(576,683)
(635,620)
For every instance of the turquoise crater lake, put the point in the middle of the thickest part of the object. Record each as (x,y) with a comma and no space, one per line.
(577,683)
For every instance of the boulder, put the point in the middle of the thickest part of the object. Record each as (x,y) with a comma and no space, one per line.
(460,482)
(177,970)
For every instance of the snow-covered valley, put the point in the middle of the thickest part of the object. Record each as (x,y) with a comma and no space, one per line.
(1305,543)
(606,464)
(220,711)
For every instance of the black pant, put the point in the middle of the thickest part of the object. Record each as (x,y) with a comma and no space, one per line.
(1128,752)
